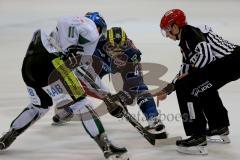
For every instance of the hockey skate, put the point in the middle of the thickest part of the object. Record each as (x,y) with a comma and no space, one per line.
(110,151)
(218,135)
(194,145)
(8,138)
(63,116)
(157,128)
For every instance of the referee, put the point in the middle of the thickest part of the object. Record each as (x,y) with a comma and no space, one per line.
(208,63)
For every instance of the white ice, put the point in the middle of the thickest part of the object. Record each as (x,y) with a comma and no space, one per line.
(140,18)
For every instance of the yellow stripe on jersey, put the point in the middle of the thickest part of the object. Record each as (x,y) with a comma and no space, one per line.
(69,77)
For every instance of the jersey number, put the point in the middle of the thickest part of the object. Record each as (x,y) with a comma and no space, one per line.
(71,31)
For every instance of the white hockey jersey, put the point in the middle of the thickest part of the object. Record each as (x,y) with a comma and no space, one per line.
(77,30)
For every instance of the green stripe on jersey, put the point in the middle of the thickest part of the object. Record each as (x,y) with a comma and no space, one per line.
(82,40)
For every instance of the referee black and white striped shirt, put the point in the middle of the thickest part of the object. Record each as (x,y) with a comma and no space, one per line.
(201,46)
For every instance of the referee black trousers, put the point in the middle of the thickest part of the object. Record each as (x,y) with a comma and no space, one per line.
(198,97)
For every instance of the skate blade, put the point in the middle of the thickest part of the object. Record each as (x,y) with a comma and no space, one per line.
(167,141)
(195,150)
(119,157)
(219,139)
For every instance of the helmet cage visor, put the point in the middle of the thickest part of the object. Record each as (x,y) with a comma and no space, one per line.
(115,49)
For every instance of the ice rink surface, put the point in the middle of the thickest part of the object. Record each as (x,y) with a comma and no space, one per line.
(140,19)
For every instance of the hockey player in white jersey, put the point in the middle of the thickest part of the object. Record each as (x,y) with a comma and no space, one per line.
(50,80)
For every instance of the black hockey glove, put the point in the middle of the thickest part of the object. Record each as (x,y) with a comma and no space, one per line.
(124,97)
(116,104)
(74,49)
(72,55)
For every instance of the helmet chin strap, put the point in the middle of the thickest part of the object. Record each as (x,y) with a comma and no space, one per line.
(177,36)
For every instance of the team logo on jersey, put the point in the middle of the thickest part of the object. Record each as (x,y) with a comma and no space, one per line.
(120,60)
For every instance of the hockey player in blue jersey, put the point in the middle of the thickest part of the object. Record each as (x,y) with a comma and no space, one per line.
(116,53)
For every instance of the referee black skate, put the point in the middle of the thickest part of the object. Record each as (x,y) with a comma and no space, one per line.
(209,62)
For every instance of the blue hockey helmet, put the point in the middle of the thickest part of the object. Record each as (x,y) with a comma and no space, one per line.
(98,20)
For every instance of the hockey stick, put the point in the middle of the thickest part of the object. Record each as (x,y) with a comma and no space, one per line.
(148,136)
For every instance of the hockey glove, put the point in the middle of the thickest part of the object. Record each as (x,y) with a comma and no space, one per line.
(115,106)
(124,97)
(72,55)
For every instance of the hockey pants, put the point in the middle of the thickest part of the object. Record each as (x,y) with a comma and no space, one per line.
(198,97)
